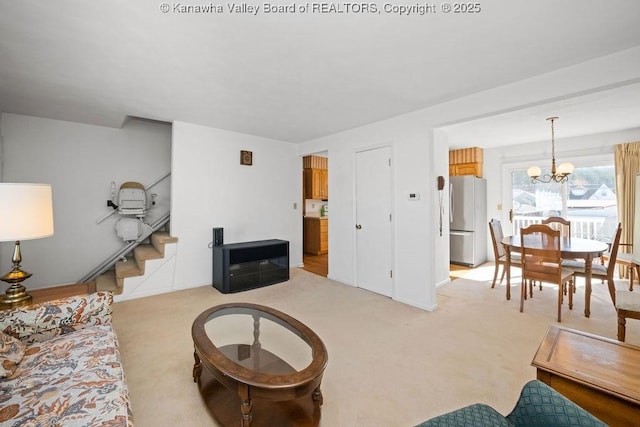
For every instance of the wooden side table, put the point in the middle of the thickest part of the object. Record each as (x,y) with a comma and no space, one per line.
(62,291)
(600,374)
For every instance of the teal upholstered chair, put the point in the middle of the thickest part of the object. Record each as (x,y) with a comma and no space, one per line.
(538,405)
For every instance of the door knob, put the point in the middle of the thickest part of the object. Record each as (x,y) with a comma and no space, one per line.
(358,226)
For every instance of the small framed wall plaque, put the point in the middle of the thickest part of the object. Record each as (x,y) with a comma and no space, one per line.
(246,157)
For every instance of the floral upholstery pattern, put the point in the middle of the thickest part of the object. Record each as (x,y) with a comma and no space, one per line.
(46,320)
(11,353)
(71,373)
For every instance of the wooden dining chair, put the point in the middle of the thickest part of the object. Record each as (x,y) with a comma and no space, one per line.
(624,259)
(542,261)
(599,271)
(559,223)
(628,307)
(499,253)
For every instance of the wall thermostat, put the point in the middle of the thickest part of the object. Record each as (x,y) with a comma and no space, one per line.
(414,196)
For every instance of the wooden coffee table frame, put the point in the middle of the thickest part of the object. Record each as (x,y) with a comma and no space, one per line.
(598,373)
(251,384)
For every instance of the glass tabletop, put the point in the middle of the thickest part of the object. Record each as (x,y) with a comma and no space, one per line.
(258,340)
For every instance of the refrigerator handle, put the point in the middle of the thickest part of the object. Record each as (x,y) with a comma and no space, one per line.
(450,202)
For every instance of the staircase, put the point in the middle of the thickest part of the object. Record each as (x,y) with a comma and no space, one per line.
(148,269)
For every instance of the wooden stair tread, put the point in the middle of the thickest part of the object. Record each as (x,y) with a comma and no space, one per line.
(113,280)
(107,282)
(128,269)
(163,237)
(145,251)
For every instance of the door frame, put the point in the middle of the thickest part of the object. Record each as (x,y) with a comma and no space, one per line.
(392,209)
(322,153)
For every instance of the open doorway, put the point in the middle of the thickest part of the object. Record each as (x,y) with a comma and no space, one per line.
(315,211)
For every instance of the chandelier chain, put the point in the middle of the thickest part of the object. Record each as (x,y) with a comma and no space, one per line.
(553,139)
(553,147)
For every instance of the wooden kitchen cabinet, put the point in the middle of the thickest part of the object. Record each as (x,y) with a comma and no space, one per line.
(316,235)
(474,168)
(316,183)
(466,161)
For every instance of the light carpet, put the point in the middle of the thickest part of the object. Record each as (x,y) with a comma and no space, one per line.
(390,364)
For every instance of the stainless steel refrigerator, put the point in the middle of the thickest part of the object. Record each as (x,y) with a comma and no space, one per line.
(468,220)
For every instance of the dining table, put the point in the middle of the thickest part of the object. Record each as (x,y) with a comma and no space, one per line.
(570,248)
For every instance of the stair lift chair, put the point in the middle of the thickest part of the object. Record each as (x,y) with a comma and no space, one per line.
(132,207)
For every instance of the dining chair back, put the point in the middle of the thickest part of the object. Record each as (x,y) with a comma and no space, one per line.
(625,260)
(542,261)
(559,223)
(495,230)
(499,253)
(598,271)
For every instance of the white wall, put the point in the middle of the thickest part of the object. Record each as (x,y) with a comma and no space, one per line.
(420,155)
(413,223)
(441,168)
(80,161)
(211,189)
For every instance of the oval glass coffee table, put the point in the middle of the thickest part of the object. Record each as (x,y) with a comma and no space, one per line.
(258,352)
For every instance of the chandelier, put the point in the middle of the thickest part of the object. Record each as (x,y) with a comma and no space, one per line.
(561,174)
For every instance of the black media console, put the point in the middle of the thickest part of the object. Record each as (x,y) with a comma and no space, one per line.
(248,265)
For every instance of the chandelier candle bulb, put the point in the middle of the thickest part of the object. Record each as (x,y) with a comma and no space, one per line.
(534,171)
(565,168)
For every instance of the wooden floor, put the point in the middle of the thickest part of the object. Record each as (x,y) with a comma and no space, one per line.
(456,271)
(320,265)
(317,264)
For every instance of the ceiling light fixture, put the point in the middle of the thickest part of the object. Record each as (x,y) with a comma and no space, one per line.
(559,175)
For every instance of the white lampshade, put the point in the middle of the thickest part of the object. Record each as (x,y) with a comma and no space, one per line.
(26,211)
(534,171)
(565,168)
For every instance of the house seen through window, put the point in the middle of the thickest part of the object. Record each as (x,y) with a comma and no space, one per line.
(587,199)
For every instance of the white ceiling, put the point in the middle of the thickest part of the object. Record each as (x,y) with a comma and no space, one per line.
(606,111)
(298,76)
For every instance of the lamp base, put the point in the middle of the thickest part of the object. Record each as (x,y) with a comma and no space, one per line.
(15,296)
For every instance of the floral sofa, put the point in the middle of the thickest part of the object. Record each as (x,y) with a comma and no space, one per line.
(60,365)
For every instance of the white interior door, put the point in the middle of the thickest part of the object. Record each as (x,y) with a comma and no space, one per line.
(373,221)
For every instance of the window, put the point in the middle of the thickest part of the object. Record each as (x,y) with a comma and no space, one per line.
(587,199)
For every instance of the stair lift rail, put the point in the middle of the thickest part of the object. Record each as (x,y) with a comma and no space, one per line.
(125,250)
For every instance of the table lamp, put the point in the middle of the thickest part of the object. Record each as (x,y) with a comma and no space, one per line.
(26,212)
